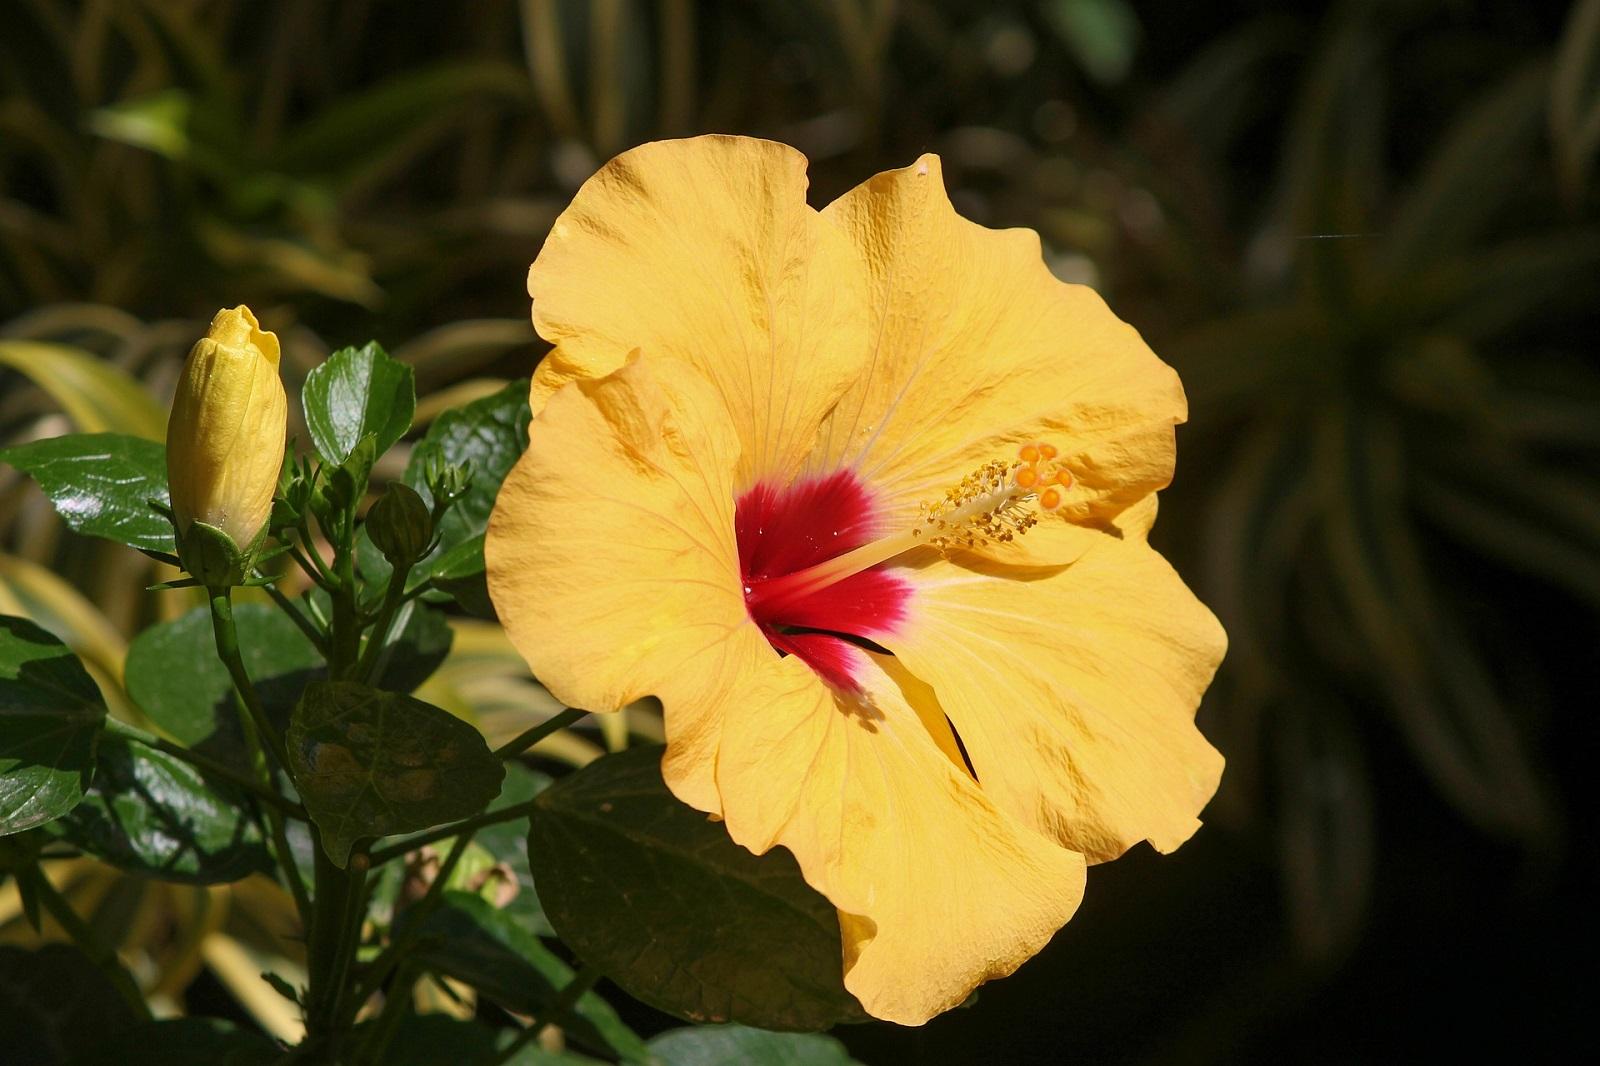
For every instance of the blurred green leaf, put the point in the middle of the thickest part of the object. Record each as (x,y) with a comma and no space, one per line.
(1443,701)
(1325,826)
(150,814)
(370,763)
(1575,97)
(50,719)
(1519,541)
(56,1004)
(182,1042)
(359,132)
(471,941)
(159,122)
(101,484)
(1102,35)
(738,1045)
(95,394)
(1469,175)
(689,921)
(174,676)
(356,392)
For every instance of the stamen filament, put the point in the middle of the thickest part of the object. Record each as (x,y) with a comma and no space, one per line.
(776,593)
(996,502)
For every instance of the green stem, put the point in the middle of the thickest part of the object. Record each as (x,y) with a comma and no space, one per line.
(309,558)
(467,826)
(87,940)
(581,982)
(397,1000)
(529,737)
(512,748)
(416,915)
(259,732)
(335,933)
(255,722)
(319,639)
(206,764)
(289,867)
(346,623)
(393,596)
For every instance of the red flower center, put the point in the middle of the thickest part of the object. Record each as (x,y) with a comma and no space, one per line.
(784,530)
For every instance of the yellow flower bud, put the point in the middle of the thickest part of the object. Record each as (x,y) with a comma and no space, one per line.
(225,436)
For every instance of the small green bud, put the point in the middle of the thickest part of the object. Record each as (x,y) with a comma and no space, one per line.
(446,482)
(400,525)
(341,486)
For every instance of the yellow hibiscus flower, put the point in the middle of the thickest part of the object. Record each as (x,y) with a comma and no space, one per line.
(861,495)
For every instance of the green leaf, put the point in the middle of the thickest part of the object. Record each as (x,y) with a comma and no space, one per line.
(97,395)
(55,1004)
(356,392)
(150,814)
(370,763)
(101,485)
(738,1045)
(491,434)
(420,641)
(182,1042)
(508,843)
(51,713)
(471,941)
(459,573)
(174,676)
(687,921)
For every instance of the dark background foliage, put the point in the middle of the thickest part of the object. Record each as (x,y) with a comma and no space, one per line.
(1365,233)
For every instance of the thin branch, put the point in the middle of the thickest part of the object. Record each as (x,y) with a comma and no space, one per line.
(529,737)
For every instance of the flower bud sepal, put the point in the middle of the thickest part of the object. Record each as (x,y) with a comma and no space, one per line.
(213,559)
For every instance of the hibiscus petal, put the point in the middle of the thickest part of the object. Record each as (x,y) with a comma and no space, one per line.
(704,252)
(610,553)
(977,349)
(1073,689)
(938,890)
